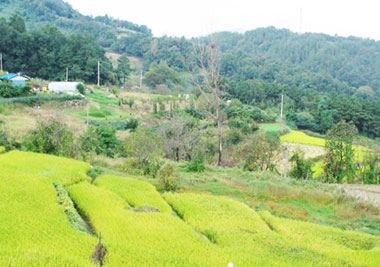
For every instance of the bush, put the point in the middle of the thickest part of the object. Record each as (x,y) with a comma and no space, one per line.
(5,141)
(51,137)
(259,151)
(80,88)
(370,170)
(7,90)
(168,177)
(340,157)
(302,167)
(146,147)
(196,165)
(94,173)
(246,126)
(234,137)
(131,124)
(108,144)
(33,99)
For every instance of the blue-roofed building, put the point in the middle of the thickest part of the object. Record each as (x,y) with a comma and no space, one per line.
(16,78)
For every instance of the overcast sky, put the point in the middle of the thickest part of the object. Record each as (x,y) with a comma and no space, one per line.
(200,17)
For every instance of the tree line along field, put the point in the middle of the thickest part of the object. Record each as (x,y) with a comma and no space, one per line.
(299,137)
(190,229)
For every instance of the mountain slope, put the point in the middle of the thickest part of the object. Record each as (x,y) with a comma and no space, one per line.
(61,14)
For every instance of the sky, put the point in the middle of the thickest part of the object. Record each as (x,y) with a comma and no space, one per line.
(201,17)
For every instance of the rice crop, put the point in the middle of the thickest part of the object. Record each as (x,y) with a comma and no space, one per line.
(59,169)
(299,137)
(241,232)
(143,239)
(40,224)
(134,192)
(360,249)
(34,230)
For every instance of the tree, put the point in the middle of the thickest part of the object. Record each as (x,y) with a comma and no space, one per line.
(302,168)
(339,159)
(52,137)
(259,151)
(123,69)
(144,146)
(160,74)
(208,84)
(180,138)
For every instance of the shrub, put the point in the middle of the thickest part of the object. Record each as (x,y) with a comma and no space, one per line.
(302,168)
(146,147)
(370,170)
(131,124)
(33,99)
(234,137)
(108,144)
(168,177)
(7,90)
(5,141)
(80,88)
(52,137)
(94,172)
(196,165)
(246,126)
(259,150)
(339,160)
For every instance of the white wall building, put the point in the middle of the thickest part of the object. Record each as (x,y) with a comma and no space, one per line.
(61,87)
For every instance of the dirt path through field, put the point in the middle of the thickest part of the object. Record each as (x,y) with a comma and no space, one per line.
(368,193)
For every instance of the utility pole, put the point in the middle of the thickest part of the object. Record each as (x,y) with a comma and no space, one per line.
(67,74)
(98,73)
(141,77)
(282,105)
(1,62)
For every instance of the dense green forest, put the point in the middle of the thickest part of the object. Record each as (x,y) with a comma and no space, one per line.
(38,13)
(46,53)
(324,78)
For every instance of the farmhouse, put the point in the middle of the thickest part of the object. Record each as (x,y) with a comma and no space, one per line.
(61,87)
(16,78)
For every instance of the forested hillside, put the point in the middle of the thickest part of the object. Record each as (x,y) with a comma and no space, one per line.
(38,13)
(324,78)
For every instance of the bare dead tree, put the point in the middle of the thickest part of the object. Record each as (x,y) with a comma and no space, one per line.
(208,56)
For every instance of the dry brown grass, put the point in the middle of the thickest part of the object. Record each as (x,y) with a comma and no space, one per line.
(24,118)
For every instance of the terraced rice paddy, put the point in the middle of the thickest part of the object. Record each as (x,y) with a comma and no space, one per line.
(190,229)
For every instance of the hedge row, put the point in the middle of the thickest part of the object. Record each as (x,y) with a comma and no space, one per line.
(33,99)
(117,125)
